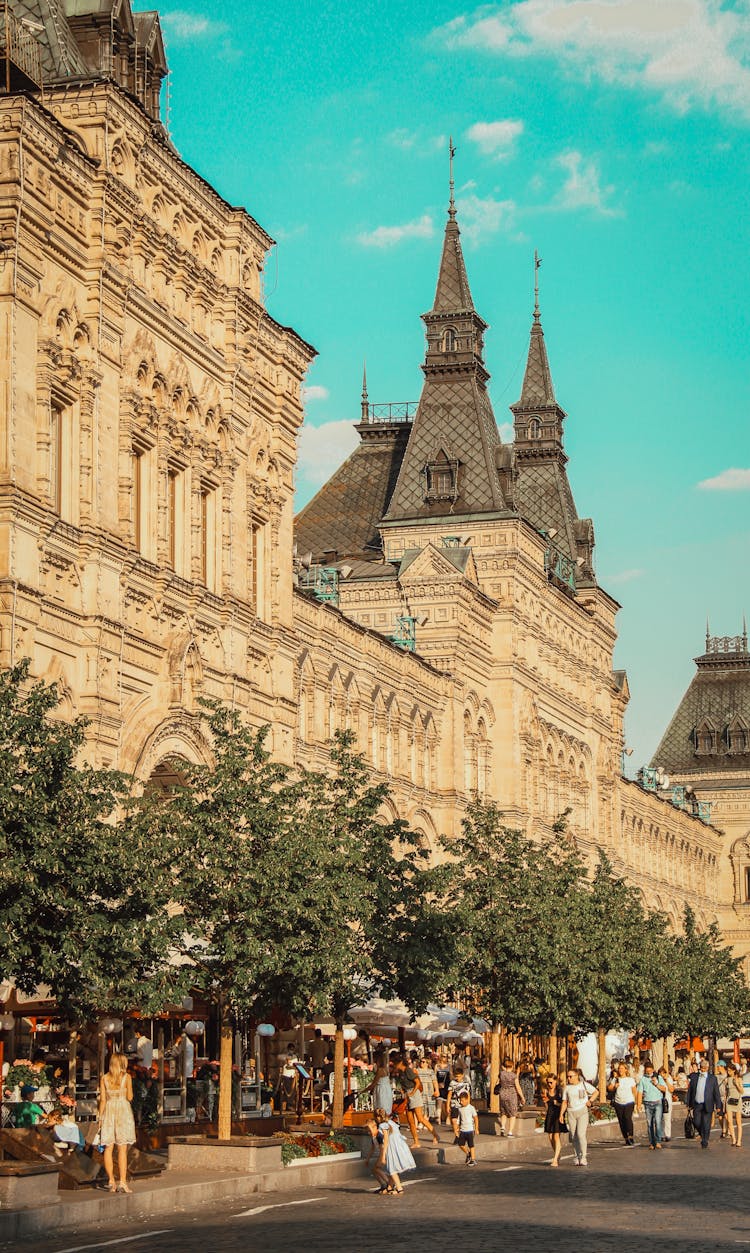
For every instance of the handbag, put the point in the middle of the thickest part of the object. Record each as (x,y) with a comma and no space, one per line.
(689,1127)
(665,1104)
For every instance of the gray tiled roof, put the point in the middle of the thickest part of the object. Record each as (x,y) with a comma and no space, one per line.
(344,515)
(61,57)
(452,294)
(537,387)
(719,692)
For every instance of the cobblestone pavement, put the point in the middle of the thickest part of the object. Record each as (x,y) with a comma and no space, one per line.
(679,1200)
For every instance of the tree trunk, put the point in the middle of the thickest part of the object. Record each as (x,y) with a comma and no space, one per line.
(72,1063)
(225,1073)
(601,1045)
(494,1099)
(553,1060)
(338,1076)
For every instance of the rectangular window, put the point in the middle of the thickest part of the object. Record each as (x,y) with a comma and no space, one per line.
(258,555)
(747,883)
(210,553)
(177,539)
(57,424)
(143,501)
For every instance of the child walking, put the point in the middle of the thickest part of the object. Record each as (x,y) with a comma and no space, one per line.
(468,1128)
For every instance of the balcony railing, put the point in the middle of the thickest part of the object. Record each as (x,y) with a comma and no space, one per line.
(20,51)
(391,411)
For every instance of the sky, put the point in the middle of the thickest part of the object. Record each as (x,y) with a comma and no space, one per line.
(611,135)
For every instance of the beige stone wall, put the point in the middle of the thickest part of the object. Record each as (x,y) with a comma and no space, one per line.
(150,412)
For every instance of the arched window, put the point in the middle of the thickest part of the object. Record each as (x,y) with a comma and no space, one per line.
(535,428)
(450,339)
(441,478)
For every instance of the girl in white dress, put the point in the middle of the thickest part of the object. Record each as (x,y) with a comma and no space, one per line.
(116,1123)
(395,1154)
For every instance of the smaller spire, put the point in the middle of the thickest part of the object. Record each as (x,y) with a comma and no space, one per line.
(452,200)
(708,634)
(365,401)
(744,632)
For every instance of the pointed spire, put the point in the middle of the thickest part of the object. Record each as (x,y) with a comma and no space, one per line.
(708,634)
(365,401)
(744,632)
(537,389)
(452,294)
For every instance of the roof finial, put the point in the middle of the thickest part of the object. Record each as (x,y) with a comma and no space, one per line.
(708,634)
(365,402)
(744,632)
(452,204)
(537,263)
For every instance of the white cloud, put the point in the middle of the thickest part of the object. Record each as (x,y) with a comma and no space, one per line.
(322,449)
(181,25)
(314,392)
(728,481)
(507,432)
(496,139)
(582,188)
(389,236)
(481,216)
(691,52)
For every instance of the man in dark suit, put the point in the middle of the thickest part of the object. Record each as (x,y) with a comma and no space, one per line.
(703,1097)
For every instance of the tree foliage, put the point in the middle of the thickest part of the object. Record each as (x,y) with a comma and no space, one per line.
(78,913)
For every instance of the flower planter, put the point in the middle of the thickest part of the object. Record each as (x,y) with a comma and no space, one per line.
(246,1154)
(325,1159)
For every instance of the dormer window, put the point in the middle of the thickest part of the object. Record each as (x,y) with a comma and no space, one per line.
(441,477)
(737,737)
(705,739)
(535,428)
(450,339)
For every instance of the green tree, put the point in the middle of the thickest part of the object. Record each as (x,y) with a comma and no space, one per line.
(516,905)
(711,996)
(78,910)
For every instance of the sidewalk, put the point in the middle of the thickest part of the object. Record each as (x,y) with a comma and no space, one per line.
(175,1191)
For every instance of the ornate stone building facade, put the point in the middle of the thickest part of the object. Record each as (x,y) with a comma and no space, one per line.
(448,612)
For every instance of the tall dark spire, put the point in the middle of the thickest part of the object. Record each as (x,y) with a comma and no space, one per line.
(365,399)
(451,461)
(544,495)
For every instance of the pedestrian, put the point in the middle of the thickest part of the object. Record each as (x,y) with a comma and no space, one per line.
(650,1094)
(378,1170)
(622,1092)
(703,1099)
(577,1095)
(681,1084)
(116,1125)
(733,1104)
(395,1154)
(667,1103)
(457,1086)
(511,1096)
(468,1128)
(318,1049)
(443,1074)
(381,1086)
(411,1086)
(527,1079)
(28,1112)
(426,1072)
(552,1123)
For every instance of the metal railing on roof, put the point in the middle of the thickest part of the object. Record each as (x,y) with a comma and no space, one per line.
(19,49)
(392,411)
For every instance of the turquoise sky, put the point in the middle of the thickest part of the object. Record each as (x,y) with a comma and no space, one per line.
(609,134)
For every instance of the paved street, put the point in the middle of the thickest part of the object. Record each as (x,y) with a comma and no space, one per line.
(681,1200)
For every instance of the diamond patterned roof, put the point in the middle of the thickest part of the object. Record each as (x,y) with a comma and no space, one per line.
(719,692)
(537,389)
(345,514)
(61,57)
(452,294)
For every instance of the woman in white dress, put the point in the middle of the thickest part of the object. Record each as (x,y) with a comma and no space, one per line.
(116,1123)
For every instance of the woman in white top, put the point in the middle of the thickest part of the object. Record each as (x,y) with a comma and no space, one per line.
(668,1082)
(621,1090)
(575,1109)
